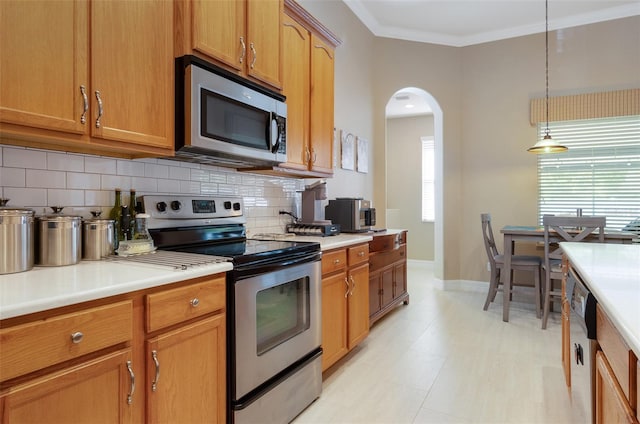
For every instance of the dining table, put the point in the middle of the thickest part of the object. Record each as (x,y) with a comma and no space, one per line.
(535,234)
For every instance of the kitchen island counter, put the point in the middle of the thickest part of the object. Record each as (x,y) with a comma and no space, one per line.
(43,288)
(612,273)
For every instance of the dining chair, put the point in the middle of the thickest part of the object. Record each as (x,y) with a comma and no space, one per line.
(559,229)
(518,262)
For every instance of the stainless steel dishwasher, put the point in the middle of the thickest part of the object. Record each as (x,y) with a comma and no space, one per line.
(584,345)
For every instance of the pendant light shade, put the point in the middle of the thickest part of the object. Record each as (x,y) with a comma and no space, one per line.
(547,144)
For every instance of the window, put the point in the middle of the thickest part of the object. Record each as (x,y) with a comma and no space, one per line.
(428,183)
(600,173)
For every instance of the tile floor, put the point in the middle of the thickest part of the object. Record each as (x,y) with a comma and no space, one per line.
(442,359)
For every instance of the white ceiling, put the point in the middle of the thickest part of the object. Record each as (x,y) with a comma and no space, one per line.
(462,23)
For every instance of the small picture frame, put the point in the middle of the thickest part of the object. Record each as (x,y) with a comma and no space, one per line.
(348,151)
(362,155)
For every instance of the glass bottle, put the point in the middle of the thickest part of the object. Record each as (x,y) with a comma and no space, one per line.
(116,215)
(132,214)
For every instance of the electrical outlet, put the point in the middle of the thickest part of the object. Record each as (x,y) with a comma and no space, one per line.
(488,266)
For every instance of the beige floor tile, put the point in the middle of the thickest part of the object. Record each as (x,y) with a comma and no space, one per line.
(442,359)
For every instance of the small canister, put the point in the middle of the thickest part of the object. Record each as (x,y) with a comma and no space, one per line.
(16,238)
(98,236)
(59,239)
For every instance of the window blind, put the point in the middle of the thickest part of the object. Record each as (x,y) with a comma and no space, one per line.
(600,173)
(428,183)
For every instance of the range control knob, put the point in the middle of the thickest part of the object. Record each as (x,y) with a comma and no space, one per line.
(227,205)
(176,205)
(236,206)
(161,206)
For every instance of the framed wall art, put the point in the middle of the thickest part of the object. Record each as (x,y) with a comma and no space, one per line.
(362,155)
(348,151)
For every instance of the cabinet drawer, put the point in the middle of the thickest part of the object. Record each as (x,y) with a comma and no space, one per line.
(334,260)
(381,259)
(618,354)
(381,243)
(358,254)
(36,345)
(174,306)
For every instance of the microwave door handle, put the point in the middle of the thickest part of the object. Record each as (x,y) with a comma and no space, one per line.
(274,133)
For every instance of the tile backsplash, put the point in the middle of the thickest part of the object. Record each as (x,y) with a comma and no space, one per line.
(41,178)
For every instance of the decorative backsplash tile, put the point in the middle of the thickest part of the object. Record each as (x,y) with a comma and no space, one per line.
(40,178)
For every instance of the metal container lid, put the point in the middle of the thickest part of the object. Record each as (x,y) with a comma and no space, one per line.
(57,216)
(96,219)
(14,211)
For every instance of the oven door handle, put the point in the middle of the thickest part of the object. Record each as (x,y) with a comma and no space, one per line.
(251,270)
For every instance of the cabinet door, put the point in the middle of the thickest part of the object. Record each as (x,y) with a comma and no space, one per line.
(296,41)
(264,40)
(132,72)
(374,292)
(219,31)
(334,318)
(399,279)
(93,392)
(188,368)
(611,404)
(43,64)
(388,286)
(358,328)
(322,89)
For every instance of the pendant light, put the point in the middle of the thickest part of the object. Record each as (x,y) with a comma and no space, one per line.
(547,144)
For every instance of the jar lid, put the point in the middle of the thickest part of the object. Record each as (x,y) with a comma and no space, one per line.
(58,216)
(96,219)
(14,210)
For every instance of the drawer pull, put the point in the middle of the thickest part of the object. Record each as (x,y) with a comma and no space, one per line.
(336,261)
(361,254)
(77,337)
(132,388)
(195,302)
(154,383)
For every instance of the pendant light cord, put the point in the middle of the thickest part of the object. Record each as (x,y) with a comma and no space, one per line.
(546,40)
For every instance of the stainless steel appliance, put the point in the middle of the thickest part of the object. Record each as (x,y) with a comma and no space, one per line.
(354,215)
(16,238)
(273,304)
(225,120)
(58,239)
(582,320)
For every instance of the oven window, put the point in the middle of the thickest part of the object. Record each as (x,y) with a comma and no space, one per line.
(282,313)
(234,122)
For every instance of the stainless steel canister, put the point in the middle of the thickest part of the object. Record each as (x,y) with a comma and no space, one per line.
(59,239)
(16,239)
(98,235)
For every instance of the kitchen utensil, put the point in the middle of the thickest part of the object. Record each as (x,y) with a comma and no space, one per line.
(16,238)
(98,237)
(59,239)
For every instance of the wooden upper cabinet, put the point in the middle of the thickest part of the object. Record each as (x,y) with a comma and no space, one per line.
(296,47)
(321,130)
(132,69)
(43,64)
(89,76)
(241,35)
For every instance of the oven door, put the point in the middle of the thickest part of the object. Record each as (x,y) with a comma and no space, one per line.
(277,322)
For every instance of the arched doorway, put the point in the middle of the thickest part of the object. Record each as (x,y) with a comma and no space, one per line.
(412,113)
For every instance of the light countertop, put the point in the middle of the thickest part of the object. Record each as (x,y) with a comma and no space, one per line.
(337,241)
(612,273)
(43,288)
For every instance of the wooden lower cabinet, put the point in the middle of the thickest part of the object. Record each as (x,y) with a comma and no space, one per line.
(102,358)
(185,367)
(387,273)
(96,391)
(611,404)
(345,301)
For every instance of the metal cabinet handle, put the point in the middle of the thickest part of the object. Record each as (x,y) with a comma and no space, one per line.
(314,155)
(154,383)
(244,49)
(346,281)
(353,285)
(308,156)
(195,302)
(100,109)
(361,254)
(85,99)
(77,337)
(132,388)
(336,262)
(255,55)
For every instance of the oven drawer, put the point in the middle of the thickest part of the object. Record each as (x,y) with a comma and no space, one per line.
(64,337)
(173,306)
(358,254)
(334,260)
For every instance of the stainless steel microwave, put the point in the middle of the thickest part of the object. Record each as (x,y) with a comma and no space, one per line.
(223,119)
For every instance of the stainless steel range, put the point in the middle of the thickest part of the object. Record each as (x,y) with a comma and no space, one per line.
(273,304)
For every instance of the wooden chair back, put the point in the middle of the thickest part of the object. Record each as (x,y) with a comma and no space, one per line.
(570,228)
(489,241)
